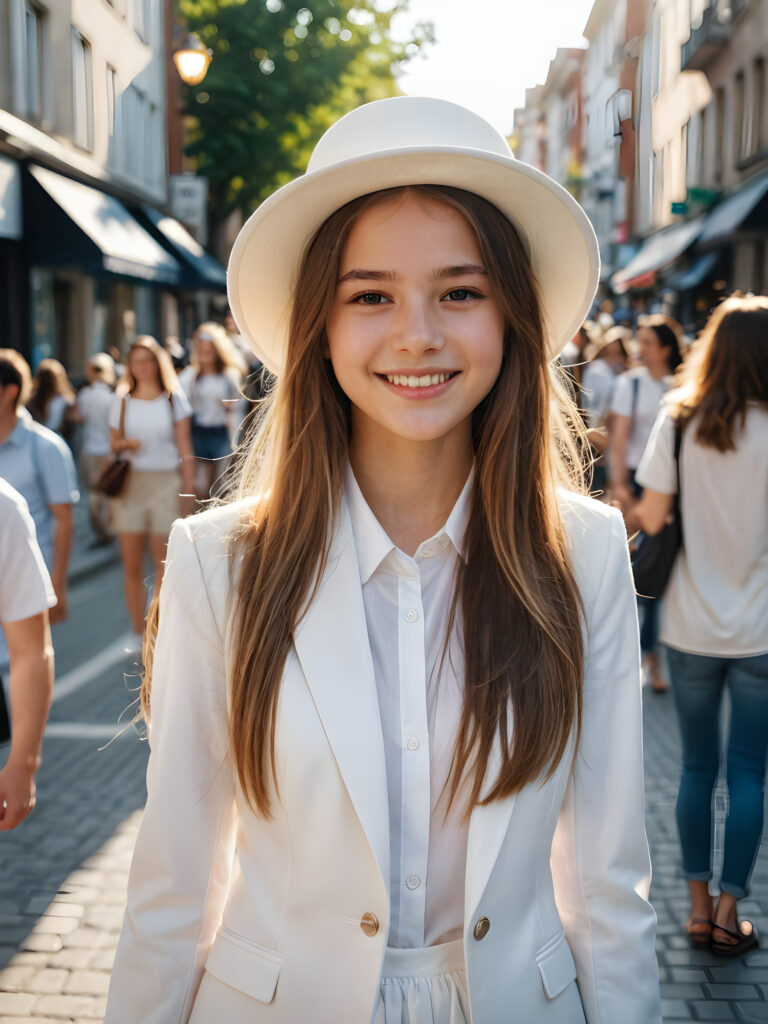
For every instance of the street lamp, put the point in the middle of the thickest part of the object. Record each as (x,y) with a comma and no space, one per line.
(192,60)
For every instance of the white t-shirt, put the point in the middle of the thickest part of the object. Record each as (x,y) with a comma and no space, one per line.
(207,394)
(149,421)
(646,408)
(94,402)
(25,586)
(716,602)
(598,383)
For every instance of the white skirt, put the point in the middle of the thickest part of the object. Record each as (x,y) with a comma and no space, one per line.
(424,986)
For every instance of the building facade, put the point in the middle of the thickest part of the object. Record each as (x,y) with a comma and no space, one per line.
(84,178)
(702,154)
(614,32)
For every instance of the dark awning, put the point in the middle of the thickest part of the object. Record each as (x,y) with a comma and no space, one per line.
(656,252)
(701,267)
(74,225)
(199,268)
(733,211)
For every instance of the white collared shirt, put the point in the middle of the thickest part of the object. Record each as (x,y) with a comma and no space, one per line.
(407,604)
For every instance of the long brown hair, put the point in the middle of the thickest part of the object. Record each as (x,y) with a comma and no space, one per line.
(50,380)
(727,369)
(516,594)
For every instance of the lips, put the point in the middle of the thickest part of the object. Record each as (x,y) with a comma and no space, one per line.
(415,381)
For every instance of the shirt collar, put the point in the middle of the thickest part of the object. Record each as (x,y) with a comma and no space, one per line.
(18,436)
(374,544)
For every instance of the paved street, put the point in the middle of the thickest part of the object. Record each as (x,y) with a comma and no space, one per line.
(63,872)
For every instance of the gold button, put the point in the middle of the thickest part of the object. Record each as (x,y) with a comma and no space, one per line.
(369,923)
(482,927)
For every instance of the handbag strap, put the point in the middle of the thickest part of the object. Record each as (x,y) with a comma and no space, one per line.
(678,446)
(122,416)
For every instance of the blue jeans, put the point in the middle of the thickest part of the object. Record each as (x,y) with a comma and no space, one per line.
(698,682)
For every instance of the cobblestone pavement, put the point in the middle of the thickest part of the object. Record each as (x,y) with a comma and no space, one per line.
(63,874)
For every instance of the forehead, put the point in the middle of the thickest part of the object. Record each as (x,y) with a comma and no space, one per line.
(407,225)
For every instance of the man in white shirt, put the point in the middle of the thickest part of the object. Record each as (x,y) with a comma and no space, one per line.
(26,594)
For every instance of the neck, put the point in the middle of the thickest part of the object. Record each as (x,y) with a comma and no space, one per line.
(8,420)
(147,390)
(658,372)
(411,487)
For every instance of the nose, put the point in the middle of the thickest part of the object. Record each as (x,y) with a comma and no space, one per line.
(417,327)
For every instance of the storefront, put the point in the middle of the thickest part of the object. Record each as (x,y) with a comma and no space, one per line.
(97,278)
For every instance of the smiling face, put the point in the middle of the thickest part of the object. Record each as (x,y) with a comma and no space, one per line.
(415,333)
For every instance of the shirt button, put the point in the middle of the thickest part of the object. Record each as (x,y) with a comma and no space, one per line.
(369,924)
(411,615)
(413,882)
(412,743)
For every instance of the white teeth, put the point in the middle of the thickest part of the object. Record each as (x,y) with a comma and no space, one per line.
(412,381)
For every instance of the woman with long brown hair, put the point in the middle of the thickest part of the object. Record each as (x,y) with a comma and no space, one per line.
(52,395)
(396,768)
(714,616)
(149,425)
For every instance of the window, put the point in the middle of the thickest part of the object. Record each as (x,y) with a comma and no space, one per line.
(141,19)
(718,135)
(740,120)
(31,65)
(82,91)
(111,100)
(757,105)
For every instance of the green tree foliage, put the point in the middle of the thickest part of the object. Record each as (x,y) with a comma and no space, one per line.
(282,72)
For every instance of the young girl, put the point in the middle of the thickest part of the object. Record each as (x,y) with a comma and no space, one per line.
(149,422)
(396,768)
(212,384)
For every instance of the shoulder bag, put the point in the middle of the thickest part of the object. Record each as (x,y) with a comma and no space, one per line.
(653,556)
(114,476)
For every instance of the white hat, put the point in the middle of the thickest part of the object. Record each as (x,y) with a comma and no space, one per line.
(410,140)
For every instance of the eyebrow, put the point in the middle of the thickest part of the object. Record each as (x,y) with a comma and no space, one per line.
(443,273)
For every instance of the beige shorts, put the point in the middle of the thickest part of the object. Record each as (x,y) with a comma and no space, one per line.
(149,503)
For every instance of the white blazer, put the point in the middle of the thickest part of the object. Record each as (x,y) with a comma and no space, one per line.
(235,920)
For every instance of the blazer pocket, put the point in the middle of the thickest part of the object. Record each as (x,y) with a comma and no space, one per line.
(556,966)
(246,966)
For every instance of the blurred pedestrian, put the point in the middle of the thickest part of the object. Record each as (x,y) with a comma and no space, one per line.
(635,405)
(372,699)
(39,465)
(26,594)
(212,382)
(255,388)
(149,425)
(52,396)
(177,352)
(605,358)
(92,410)
(714,619)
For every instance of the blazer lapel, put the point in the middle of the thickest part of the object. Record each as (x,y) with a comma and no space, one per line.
(487,827)
(331,641)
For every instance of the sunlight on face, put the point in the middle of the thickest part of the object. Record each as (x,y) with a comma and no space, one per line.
(143,366)
(415,334)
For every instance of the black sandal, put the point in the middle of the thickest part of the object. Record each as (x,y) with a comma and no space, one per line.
(744,940)
(699,940)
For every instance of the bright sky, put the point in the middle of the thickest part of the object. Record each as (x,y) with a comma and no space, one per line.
(489,51)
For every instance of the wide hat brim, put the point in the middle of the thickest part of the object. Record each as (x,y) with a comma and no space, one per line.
(555,231)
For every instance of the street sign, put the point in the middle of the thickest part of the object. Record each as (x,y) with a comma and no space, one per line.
(189,198)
